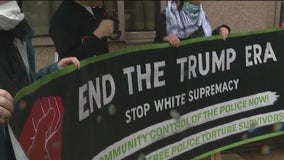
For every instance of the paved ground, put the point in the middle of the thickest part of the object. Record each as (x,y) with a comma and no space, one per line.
(270,149)
(277,154)
(274,155)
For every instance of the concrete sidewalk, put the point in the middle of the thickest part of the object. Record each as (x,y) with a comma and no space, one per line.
(269,149)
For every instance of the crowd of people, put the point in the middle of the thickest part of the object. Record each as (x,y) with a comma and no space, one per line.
(180,20)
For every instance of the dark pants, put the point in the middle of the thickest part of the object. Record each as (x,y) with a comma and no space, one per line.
(6,149)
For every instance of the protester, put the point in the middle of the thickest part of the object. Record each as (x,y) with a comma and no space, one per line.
(79,31)
(17,66)
(183,19)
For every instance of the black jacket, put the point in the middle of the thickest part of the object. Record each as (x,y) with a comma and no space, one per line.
(71,29)
(13,73)
(13,76)
(12,69)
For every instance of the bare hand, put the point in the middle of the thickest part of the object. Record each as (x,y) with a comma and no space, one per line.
(6,105)
(67,61)
(173,39)
(224,32)
(105,28)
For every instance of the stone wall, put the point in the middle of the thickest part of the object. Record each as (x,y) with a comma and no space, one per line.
(243,16)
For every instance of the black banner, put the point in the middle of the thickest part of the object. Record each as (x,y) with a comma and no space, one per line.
(157,102)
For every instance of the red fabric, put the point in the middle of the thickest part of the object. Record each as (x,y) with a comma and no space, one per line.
(41,136)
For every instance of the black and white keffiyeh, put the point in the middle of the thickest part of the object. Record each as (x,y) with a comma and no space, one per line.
(187,20)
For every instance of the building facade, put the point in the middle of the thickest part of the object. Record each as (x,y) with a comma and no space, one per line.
(137,20)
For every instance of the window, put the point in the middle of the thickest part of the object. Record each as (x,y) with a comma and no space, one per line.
(139,15)
(38,14)
(137,18)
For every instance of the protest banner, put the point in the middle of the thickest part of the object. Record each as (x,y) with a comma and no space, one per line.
(157,102)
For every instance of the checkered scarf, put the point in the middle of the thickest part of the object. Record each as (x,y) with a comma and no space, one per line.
(187,20)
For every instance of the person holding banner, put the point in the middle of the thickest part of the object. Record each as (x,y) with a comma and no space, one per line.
(183,19)
(17,68)
(80,30)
